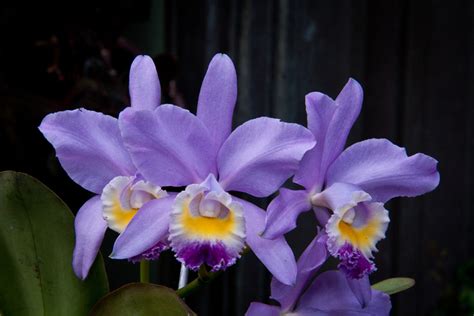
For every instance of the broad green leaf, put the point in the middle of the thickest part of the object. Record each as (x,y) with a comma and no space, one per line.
(394,285)
(142,299)
(36,244)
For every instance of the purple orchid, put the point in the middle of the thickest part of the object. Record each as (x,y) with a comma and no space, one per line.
(330,293)
(89,147)
(174,147)
(347,189)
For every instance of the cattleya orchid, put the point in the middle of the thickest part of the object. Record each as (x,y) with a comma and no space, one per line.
(206,224)
(347,189)
(89,147)
(330,293)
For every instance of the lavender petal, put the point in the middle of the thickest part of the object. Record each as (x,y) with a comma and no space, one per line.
(260,309)
(148,227)
(170,146)
(384,170)
(217,98)
(283,212)
(144,85)
(261,154)
(275,254)
(320,110)
(331,293)
(90,228)
(89,147)
(308,265)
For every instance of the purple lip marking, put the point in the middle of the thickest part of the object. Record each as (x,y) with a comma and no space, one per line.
(151,254)
(215,255)
(353,263)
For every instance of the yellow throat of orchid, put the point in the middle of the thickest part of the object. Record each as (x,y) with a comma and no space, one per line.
(123,197)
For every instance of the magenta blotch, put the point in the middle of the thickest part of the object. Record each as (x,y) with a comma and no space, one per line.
(353,263)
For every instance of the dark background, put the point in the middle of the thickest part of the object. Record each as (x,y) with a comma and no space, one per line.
(415,60)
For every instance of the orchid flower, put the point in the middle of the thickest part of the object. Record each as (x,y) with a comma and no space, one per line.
(89,147)
(330,293)
(207,225)
(347,189)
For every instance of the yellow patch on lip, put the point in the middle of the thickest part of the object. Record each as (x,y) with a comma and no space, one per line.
(207,227)
(204,216)
(361,227)
(122,198)
(119,216)
(360,237)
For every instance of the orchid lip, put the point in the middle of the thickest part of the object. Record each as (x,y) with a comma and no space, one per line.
(207,226)
(123,196)
(353,234)
(361,226)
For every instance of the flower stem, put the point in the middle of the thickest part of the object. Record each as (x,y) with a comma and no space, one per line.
(204,277)
(145,271)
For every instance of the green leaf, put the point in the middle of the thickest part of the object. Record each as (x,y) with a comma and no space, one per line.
(142,299)
(36,244)
(394,285)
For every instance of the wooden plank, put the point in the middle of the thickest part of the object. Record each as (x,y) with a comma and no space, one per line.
(433,229)
(382,104)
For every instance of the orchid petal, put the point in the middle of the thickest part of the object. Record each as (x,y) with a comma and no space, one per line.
(384,170)
(314,255)
(148,227)
(320,110)
(260,309)
(283,212)
(170,146)
(318,312)
(144,85)
(89,147)
(308,264)
(217,98)
(322,215)
(261,154)
(330,292)
(90,228)
(332,134)
(349,104)
(275,254)
(361,289)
